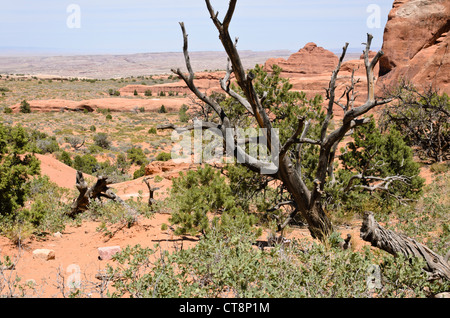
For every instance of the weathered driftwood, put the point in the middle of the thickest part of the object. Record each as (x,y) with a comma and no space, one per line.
(151,190)
(399,244)
(99,190)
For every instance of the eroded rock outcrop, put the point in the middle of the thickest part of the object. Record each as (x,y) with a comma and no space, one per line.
(310,60)
(416,44)
(112,104)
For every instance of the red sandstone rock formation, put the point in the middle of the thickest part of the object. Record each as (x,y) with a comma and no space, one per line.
(310,60)
(416,44)
(207,82)
(113,104)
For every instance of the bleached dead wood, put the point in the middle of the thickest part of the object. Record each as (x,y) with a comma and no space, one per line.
(399,244)
(99,190)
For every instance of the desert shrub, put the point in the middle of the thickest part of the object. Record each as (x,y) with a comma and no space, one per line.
(182,114)
(48,145)
(196,195)
(225,264)
(148,93)
(93,149)
(162,110)
(25,107)
(92,128)
(101,140)
(158,179)
(152,131)
(86,163)
(7,110)
(163,156)
(113,92)
(16,168)
(428,219)
(139,172)
(121,162)
(135,93)
(114,216)
(65,158)
(74,141)
(378,173)
(136,156)
(48,207)
(108,117)
(423,118)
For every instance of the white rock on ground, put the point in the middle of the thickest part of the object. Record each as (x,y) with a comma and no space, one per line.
(44,254)
(106,253)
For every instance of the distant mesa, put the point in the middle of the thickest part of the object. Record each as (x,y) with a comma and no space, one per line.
(310,60)
(111,104)
(205,81)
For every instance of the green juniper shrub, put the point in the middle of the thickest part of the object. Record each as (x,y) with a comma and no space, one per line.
(182,114)
(162,110)
(163,156)
(17,167)
(366,161)
(65,158)
(136,156)
(25,107)
(198,194)
(140,172)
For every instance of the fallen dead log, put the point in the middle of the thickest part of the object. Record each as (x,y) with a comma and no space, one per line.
(396,244)
(99,190)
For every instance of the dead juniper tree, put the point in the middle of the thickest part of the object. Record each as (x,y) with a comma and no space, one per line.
(308,199)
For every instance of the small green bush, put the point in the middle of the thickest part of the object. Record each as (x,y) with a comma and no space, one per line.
(162,110)
(200,192)
(182,114)
(163,156)
(48,145)
(101,140)
(86,163)
(136,156)
(65,158)
(140,172)
(25,107)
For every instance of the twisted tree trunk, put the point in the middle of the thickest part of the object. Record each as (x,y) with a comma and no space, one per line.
(395,244)
(98,190)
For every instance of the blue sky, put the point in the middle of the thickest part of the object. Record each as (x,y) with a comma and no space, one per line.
(137,26)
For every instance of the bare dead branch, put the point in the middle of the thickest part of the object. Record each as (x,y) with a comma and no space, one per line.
(399,244)
(98,190)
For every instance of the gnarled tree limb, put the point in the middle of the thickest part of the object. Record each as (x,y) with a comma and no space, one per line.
(98,190)
(396,244)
